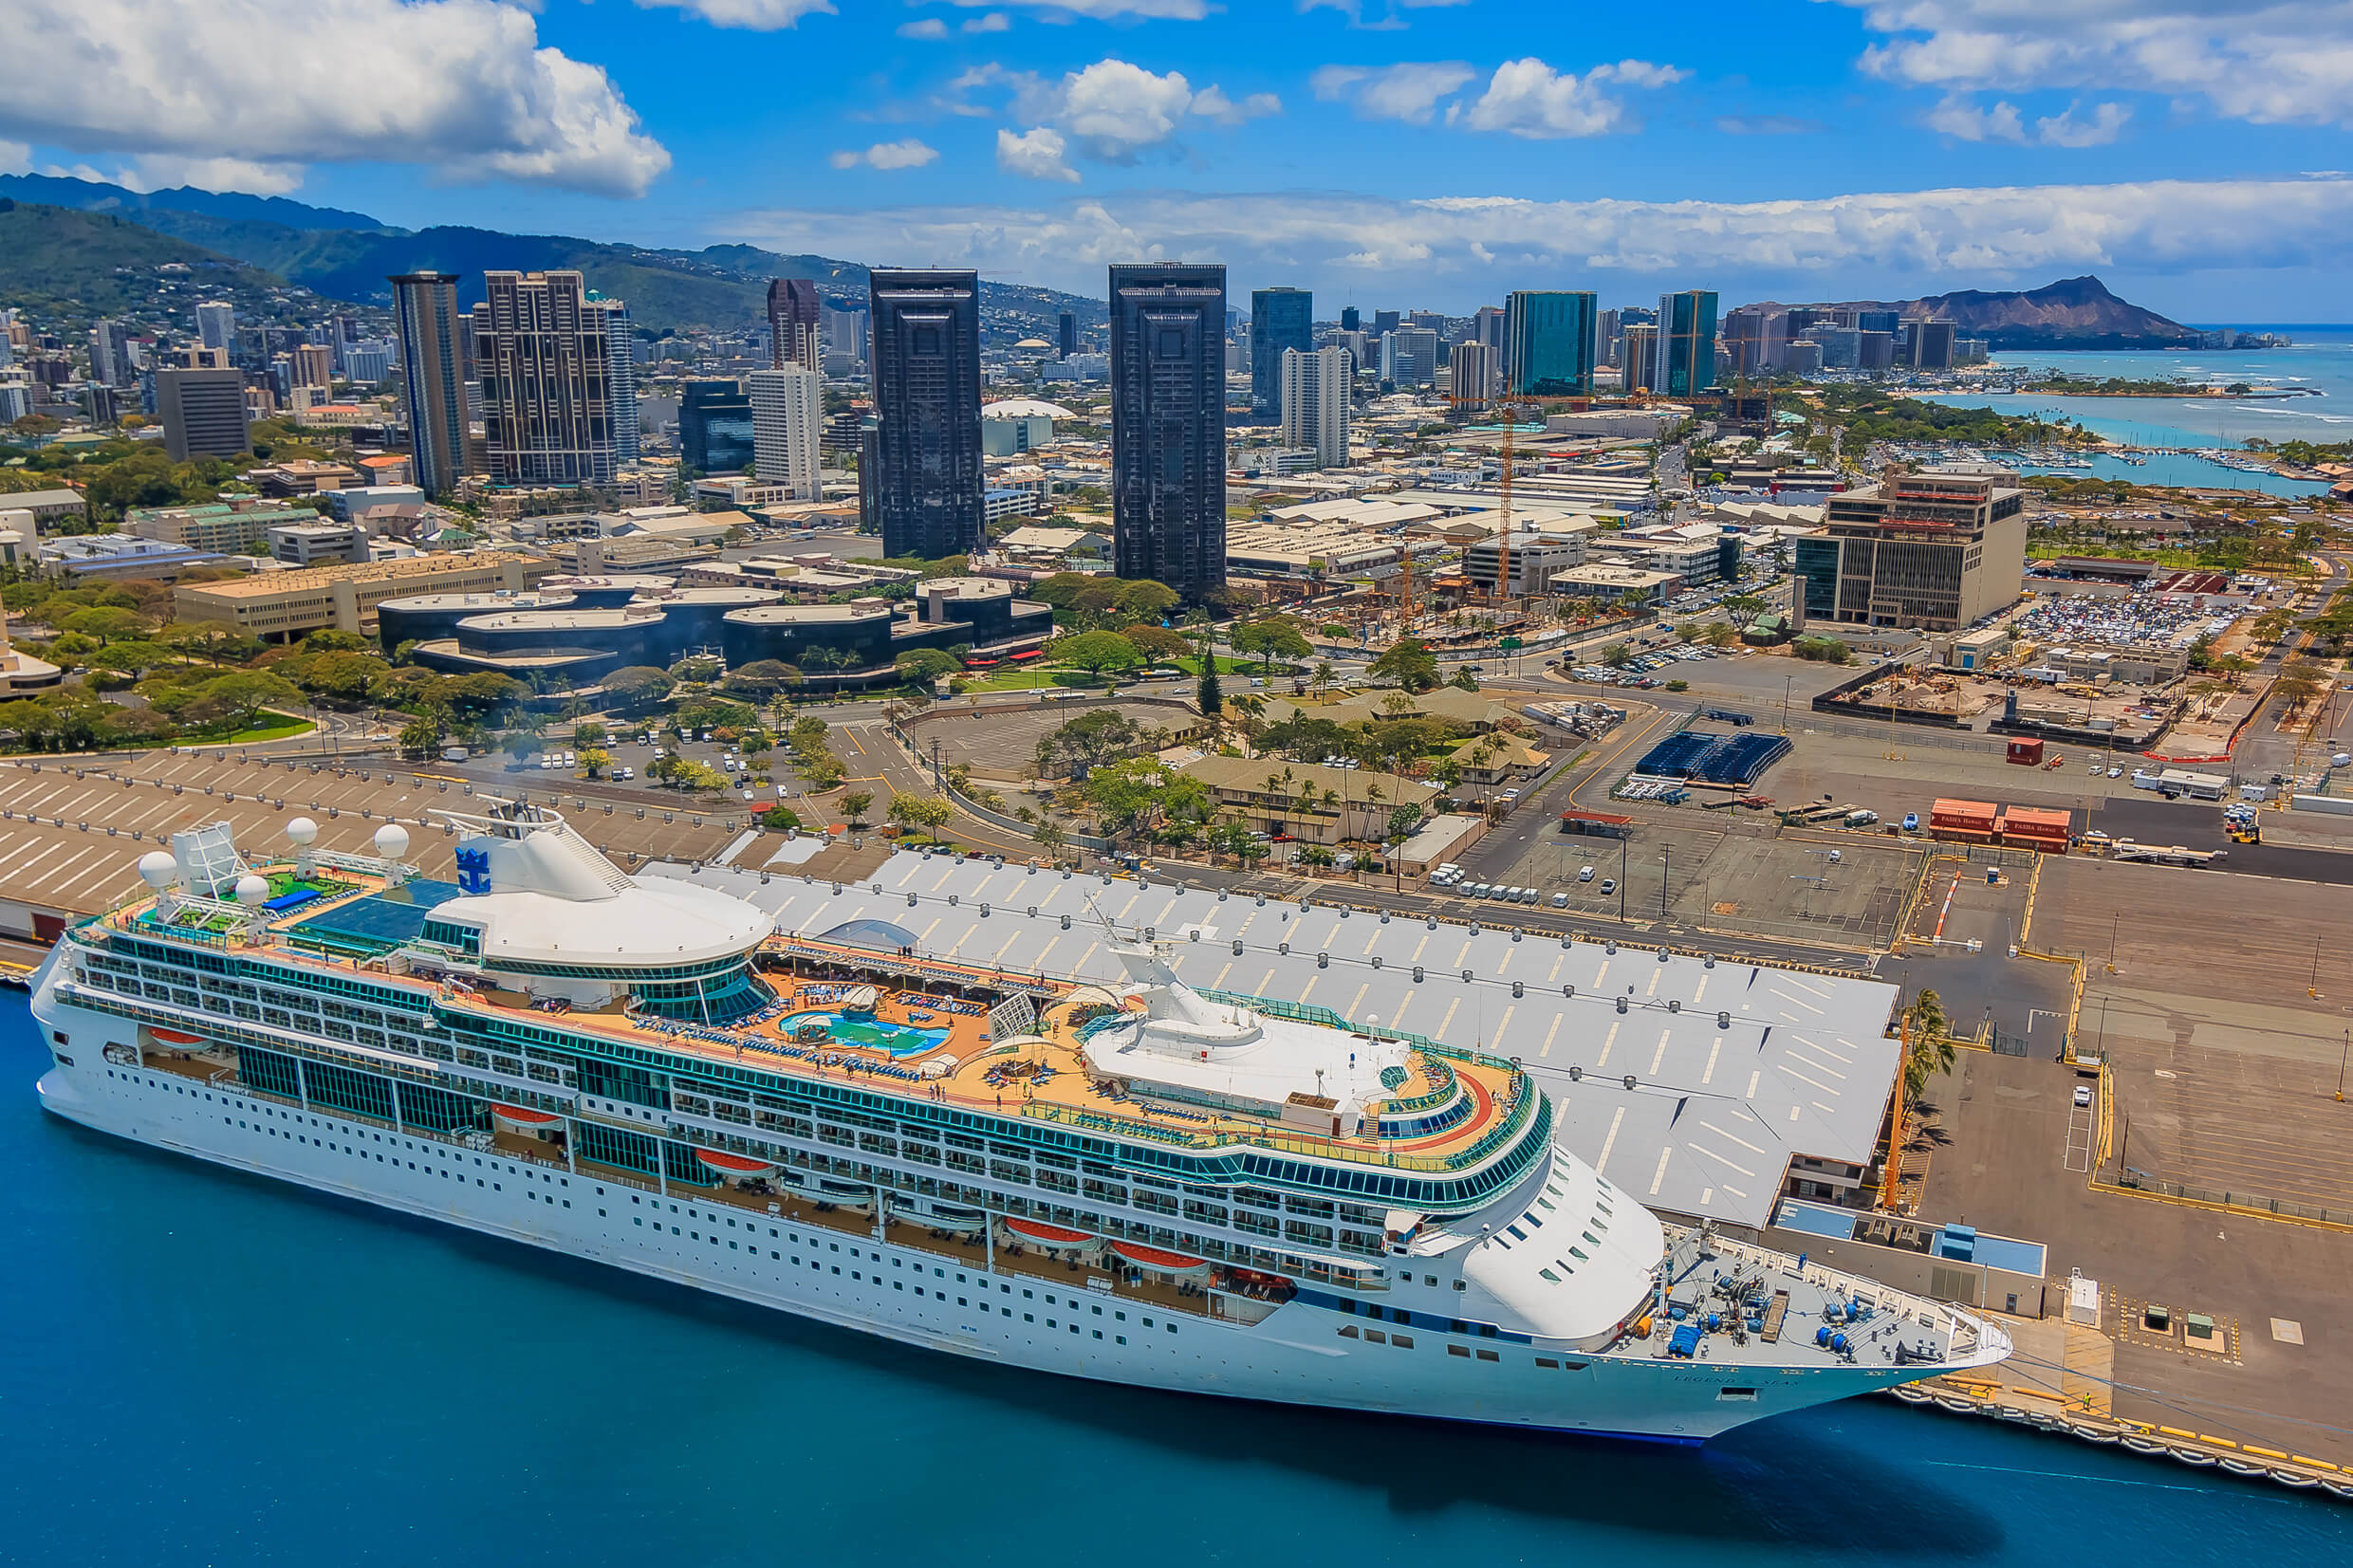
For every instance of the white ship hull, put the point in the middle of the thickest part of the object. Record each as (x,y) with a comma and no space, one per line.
(1296,1356)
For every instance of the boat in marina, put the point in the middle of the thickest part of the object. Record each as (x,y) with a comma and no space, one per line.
(1130,1181)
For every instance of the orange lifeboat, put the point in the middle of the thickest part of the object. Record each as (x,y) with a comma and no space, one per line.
(734,1165)
(527,1123)
(1050,1235)
(1157,1261)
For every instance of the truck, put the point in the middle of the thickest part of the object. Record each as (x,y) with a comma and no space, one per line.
(1861,819)
(1728,715)
(2163,855)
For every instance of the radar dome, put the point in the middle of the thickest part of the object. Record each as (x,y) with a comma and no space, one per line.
(301,830)
(253,891)
(156,868)
(392,841)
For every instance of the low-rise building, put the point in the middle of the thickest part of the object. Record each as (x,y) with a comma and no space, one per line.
(1307,800)
(282,607)
(226,526)
(1932,551)
(303,477)
(1534,557)
(1606,581)
(121,555)
(48,508)
(310,543)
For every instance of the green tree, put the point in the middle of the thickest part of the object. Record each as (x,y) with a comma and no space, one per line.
(595,762)
(1156,643)
(1409,663)
(855,804)
(1145,600)
(1276,636)
(927,812)
(133,658)
(1087,743)
(106,625)
(241,696)
(1928,1049)
(1616,656)
(1464,679)
(638,684)
(588,734)
(1097,653)
(1209,695)
(924,666)
(420,736)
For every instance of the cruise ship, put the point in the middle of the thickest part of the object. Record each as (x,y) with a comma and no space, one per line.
(1133,1181)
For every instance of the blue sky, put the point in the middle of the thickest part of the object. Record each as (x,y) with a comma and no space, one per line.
(1399,153)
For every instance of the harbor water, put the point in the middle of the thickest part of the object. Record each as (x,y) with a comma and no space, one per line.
(2319,361)
(206,1367)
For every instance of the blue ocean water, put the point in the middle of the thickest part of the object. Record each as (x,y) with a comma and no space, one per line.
(2322,359)
(204,1368)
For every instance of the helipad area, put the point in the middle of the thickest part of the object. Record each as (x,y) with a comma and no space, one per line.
(1736,1069)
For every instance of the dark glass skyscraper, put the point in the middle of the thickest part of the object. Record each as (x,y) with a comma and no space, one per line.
(716,430)
(1351,320)
(1280,319)
(1069,334)
(926,453)
(545,357)
(1686,342)
(433,355)
(1168,426)
(1551,342)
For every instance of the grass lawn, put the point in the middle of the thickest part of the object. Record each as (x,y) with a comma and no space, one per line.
(1035,678)
(277,731)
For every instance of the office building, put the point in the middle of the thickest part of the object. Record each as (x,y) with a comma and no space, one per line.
(368,364)
(924,465)
(1841,346)
(716,430)
(216,324)
(1168,418)
(1935,551)
(1686,346)
(622,383)
(1069,345)
(795,324)
(1281,320)
(203,413)
(1472,373)
(1608,336)
(1873,350)
(545,363)
(1535,556)
(286,607)
(1888,321)
(1385,322)
(1927,346)
(1351,320)
(314,365)
(1550,342)
(1639,355)
(1315,402)
(788,411)
(1409,356)
(1487,327)
(424,307)
(110,353)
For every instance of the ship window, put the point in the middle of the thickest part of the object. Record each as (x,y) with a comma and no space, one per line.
(1549,1275)
(1516,1231)
(1463,1350)
(1488,1356)
(1350,1332)
(1402,1341)
(1547,1362)
(1746,1396)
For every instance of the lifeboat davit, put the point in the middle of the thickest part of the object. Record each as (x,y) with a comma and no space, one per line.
(734,1165)
(1159,1261)
(1050,1235)
(528,1123)
(173,1037)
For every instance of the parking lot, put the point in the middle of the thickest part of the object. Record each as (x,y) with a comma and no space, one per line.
(999,743)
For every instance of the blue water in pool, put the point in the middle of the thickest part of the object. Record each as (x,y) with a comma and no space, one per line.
(203,1368)
(898,1038)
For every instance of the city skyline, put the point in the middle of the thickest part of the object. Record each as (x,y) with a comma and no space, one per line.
(1399,152)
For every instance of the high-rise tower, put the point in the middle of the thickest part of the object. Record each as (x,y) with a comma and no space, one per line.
(796,335)
(925,459)
(1168,425)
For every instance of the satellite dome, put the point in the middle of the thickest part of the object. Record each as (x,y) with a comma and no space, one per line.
(253,891)
(156,868)
(301,830)
(392,841)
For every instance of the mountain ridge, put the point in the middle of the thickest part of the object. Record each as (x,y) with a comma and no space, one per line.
(2070,313)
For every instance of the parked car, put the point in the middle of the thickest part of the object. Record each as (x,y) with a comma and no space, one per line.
(1609,885)
(2083,1094)
(1911,822)
(1560,900)
(1586,874)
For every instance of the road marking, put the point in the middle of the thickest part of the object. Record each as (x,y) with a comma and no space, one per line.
(1701,989)
(1743,1142)
(1610,1142)
(1602,1060)
(1709,1076)
(1599,972)
(1660,1174)
(1440,1032)
(1550,1033)
(1753,1079)
(1659,1059)
(1308,990)
(1703,1149)
(1357,1001)
(1419,945)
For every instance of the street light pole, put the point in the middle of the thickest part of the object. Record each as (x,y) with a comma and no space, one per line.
(2341,1055)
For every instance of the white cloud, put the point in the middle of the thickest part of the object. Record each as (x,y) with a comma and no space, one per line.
(996,21)
(757,15)
(162,171)
(1105,11)
(1965,121)
(1111,111)
(1919,238)
(1211,103)
(2065,130)
(1034,155)
(907,154)
(15,157)
(1529,97)
(1388,22)
(1958,118)
(463,87)
(1768,125)
(931,26)
(2269,60)
(1409,91)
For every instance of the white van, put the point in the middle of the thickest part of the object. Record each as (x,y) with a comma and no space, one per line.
(1586,874)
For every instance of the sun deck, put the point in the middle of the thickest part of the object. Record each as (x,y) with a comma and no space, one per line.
(925,1034)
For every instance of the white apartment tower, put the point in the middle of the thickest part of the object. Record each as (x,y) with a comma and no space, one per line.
(1315,402)
(787,412)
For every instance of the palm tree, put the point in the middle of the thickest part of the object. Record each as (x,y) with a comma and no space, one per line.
(1928,1049)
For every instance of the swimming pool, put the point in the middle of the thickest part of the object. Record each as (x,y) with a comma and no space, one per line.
(898,1038)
